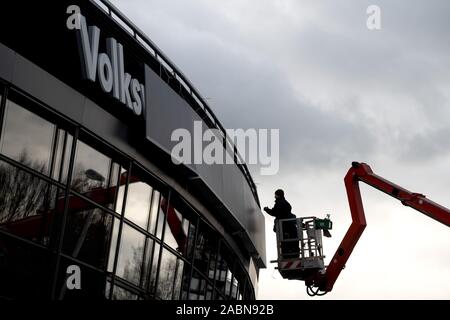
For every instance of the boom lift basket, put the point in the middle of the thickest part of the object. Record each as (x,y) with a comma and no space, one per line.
(299,246)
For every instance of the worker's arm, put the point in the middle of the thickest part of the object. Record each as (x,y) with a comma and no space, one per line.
(273,212)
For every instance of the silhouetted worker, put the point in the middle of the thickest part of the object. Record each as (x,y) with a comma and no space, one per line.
(282,210)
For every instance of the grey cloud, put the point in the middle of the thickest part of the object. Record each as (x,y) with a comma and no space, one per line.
(337,91)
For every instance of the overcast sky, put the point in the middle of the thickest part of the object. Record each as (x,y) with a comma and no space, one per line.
(338,92)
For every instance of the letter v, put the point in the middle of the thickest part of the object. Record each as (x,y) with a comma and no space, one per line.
(89,49)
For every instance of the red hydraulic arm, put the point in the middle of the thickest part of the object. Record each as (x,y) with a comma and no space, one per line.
(362,172)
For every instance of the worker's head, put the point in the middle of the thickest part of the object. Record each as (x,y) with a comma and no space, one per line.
(279,194)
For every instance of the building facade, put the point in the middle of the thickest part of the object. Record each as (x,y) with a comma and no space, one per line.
(91,204)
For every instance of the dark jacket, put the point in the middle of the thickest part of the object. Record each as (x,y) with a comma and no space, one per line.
(281,210)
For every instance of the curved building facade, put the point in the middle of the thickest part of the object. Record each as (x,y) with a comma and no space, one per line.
(91,203)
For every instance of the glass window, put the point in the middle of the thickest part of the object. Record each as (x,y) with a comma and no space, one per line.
(121,189)
(120,293)
(27,138)
(174,234)
(154,266)
(178,279)
(191,230)
(234,288)
(148,256)
(156,199)
(161,218)
(222,271)
(62,156)
(95,175)
(87,233)
(198,287)
(185,283)
(167,269)
(209,292)
(131,255)
(138,203)
(179,233)
(228,283)
(113,246)
(27,204)
(206,250)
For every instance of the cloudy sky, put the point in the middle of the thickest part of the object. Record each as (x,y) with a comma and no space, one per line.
(338,92)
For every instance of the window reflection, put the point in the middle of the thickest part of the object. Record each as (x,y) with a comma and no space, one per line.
(161,218)
(123,294)
(27,138)
(178,279)
(154,267)
(95,175)
(131,254)
(113,245)
(149,254)
(138,203)
(228,283)
(121,190)
(179,233)
(206,250)
(198,287)
(221,274)
(234,288)
(62,155)
(166,275)
(30,208)
(209,292)
(87,233)
(156,198)
(174,234)
(27,204)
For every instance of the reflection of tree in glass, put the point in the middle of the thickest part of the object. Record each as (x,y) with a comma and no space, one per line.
(134,267)
(87,235)
(21,194)
(122,294)
(166,276)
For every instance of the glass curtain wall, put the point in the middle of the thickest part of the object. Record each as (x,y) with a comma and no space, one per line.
(67,199)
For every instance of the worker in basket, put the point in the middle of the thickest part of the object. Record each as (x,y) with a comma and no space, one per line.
(282,210)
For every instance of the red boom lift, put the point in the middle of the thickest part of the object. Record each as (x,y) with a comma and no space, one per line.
(306,263)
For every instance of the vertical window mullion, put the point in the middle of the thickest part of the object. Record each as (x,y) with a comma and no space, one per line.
(119,232)
(215,268)
(110,241)
(197,224)
(162,238)
(63,156)
(60,237)
(148,289)
(175,278)
(146,267)
(2,110)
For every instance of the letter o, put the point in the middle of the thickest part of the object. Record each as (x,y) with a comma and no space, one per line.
(105,73)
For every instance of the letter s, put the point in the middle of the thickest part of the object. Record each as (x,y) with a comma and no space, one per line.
(137,103)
